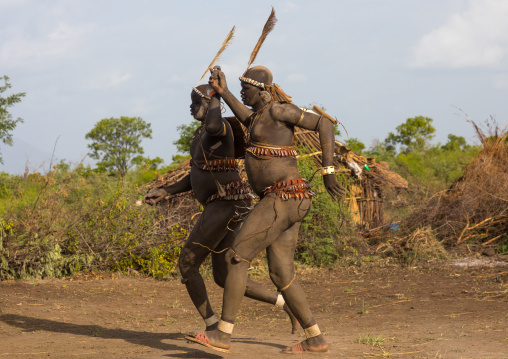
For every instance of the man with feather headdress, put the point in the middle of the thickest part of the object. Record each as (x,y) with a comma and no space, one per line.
(217,185)
(273,224)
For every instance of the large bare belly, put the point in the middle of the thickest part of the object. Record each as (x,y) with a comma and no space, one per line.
(203,182)
(266,171)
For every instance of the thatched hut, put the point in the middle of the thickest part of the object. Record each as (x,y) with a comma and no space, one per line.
(369,178)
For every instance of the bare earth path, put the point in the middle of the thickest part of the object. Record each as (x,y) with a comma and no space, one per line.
(434,311)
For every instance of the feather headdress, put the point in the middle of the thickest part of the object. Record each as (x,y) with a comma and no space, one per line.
(221,50)
(269,25)
(274,91)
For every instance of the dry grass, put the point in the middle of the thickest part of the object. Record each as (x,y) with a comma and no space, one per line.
(475,207)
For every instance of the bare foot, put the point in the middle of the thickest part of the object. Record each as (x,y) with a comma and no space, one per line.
(294,322)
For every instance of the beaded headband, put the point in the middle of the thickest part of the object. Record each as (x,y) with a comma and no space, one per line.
(195,89)
(253,82)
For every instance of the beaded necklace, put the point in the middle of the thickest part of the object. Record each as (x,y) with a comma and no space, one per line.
(255,119)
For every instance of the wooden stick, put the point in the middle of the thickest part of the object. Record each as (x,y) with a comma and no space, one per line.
(324,114)
(492,240)
(462,233)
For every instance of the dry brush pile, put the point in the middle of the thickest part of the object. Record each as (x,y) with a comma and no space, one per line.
(475,207)
(473,210)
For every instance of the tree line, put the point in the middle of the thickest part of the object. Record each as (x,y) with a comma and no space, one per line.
(115,143)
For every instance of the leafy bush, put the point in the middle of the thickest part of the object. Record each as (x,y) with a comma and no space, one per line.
(66,221)
(323,233)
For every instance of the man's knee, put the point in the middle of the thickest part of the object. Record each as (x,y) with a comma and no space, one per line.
(282,278)
(187,265)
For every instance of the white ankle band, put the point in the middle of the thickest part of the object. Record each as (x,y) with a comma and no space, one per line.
(211,321)
(225,327)
(280,301)
(312,331)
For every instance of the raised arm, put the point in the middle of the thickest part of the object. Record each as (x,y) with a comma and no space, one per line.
(293,115)
(157,194)
(214,124)
(219,84)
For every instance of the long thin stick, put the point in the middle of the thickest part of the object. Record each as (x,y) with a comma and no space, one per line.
(221,50)
(269,25)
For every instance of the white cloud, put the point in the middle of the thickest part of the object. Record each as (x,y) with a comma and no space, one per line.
(56,44)
(65,32)
(476,37)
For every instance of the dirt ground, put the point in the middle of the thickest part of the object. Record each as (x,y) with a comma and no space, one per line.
(432,311)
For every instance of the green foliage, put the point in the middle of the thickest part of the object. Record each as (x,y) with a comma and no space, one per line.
(502,248)
(323,231)
(7,123)
(456,143)
(370,339)
(179,159)
(412,135)
(435,165)
(355,145)
(116,142)
(73,220)
(438,166)
(186,133)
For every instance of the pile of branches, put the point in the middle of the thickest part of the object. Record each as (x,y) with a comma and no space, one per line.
(475,207)
(419,245)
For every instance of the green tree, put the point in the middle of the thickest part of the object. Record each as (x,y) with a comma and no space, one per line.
(455,143)
(412,135)
(186,134)
(116,142)
(7,124)
(380,151)
(355,145)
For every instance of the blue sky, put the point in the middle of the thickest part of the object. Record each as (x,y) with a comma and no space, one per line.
(371,63)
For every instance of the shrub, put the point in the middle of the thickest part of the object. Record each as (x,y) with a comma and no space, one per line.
(323,233)
(67,221)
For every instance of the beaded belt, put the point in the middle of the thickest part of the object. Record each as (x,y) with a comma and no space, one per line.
(272,151)
(220,165)
(234,191)
(295,188)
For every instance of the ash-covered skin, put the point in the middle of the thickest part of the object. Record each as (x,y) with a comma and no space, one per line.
(211,229)
(273,224)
